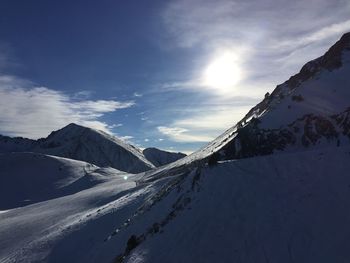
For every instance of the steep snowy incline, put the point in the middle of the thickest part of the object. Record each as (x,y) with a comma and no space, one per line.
(159,157)
(28,178)
(320,88)
(279,208)
(311,109)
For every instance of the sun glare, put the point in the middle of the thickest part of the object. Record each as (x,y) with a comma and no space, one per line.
(223,72)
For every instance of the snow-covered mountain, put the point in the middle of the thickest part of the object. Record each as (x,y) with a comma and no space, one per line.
(310,109)
(85,144)
(28,178)
(273,188)
(159,157)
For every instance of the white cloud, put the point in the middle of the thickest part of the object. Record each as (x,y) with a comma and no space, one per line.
(126,138)
(204,126)
(100,106)
(179,134)
(83,94)
(218,120)
(137,94)
(35,112)
(197,22)
(116,125)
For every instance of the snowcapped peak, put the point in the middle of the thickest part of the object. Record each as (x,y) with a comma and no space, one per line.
(94,146)
(81,143)
(331,60)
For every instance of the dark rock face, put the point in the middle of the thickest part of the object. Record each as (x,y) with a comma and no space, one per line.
(330,61)
(309,130)
(343,121)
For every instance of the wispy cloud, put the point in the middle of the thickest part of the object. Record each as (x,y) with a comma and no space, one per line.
(272,40)
(202,125)
(34,112)
(83,94)
(178,134)
(225,22)
(137,94)
(126,138)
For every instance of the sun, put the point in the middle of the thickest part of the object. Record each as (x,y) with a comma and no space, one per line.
(223,72)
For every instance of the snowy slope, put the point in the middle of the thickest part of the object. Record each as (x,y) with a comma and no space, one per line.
(29,234)
(85,144)
(159,157)
(277,208)
(28,178)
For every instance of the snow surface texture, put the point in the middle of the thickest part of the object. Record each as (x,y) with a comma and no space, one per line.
(159,158)
(280,208)
(277,208)
(28,178)
(85,144)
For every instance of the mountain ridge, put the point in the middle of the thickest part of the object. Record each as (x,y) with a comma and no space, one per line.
(86,144)
(78,138)
(159,157)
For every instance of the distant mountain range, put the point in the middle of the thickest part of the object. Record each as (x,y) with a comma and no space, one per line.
(93,146)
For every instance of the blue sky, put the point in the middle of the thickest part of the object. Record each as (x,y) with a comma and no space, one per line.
(170,74)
